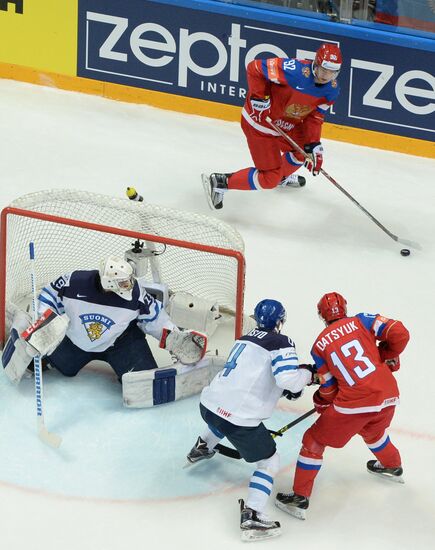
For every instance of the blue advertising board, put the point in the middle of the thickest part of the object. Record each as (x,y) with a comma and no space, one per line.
(177,48)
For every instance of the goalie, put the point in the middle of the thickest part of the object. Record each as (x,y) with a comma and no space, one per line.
(100,314)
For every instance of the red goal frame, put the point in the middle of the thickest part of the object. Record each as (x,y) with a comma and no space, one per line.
(10,211)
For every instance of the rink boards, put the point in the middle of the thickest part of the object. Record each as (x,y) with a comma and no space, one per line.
(190,56)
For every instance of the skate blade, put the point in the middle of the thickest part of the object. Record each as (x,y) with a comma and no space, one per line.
(298,513)
(290,186)
(189,464)
(252,535)
(394,479)
(295,185)
(206,185)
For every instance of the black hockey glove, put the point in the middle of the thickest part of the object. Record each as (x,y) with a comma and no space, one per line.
(313,371)
(291,396)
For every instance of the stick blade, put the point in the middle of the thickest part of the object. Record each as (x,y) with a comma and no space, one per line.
(50,439)
(411,244)
(227,451)
(206,186)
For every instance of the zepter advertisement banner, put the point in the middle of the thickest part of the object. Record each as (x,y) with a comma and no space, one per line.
(177,48)
(41,34)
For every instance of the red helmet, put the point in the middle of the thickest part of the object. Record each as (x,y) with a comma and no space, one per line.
(329,57)
(332,306)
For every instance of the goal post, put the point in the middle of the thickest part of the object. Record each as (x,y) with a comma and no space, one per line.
(73,230)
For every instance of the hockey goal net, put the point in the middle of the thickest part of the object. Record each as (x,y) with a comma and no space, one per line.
(73,230)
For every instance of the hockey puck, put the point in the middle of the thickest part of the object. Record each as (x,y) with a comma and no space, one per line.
(405,252)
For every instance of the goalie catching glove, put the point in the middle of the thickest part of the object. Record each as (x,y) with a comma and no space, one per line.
(188,346)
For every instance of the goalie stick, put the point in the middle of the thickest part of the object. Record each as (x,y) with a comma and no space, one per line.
(44,435)
(406,242)
(233,453)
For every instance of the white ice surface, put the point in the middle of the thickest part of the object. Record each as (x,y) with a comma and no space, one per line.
(117,481)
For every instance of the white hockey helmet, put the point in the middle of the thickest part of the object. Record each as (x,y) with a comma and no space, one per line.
(116,275)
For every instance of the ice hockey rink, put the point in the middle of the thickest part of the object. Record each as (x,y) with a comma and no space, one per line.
(117,481)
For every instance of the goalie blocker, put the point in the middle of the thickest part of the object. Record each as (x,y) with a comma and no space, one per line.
(26,341)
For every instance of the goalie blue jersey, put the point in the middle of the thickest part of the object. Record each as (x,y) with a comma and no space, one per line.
(97,317)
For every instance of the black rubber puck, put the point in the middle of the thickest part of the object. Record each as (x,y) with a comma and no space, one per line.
(405,252)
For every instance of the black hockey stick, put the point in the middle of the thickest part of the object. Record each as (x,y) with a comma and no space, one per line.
(233,453)
(406,242)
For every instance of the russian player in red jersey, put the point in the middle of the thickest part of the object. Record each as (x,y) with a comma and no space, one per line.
(295,94)
(355,359)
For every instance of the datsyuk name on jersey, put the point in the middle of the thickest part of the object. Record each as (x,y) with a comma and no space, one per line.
(335,334)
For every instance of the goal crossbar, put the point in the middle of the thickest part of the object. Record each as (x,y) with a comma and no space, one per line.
(101,228)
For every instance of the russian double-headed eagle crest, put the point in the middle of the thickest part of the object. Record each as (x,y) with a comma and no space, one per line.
(295,110)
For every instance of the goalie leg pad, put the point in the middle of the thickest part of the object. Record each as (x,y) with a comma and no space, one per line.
(17,354)
(16,357)
(164,386)
(142,389)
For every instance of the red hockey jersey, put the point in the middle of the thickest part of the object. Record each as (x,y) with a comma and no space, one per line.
(351,367)
(295,98)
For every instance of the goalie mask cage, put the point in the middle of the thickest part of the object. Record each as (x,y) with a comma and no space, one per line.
(75,229)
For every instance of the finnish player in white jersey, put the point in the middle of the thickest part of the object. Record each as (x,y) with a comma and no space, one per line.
(100,314)
(261,367)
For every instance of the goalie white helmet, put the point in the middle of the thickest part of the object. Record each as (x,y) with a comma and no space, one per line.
(116,275)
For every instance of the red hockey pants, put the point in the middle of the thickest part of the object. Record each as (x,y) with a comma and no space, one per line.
(334,429)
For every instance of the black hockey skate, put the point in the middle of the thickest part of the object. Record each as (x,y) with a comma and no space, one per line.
(215,186)
(292,181)
(393,474)
(199,451)
(295,505)
(255,526)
